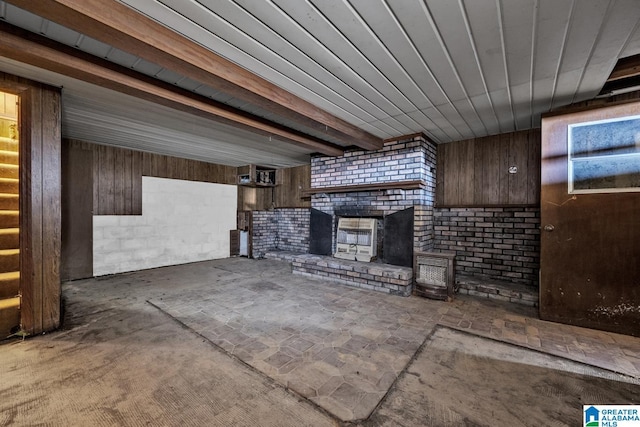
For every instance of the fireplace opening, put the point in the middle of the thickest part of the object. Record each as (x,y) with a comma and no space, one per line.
(350,234)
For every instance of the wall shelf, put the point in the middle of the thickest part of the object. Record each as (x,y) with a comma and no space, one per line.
(256,176)
(402,185)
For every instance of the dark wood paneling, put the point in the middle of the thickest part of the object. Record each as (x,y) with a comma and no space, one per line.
(475,172)
(77,215)
(160,166)
(291,183)
(255,198)
(51,208)
(40,227)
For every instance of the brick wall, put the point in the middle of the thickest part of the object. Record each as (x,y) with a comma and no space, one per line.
(293,229)
(284,229)
(193,227)
(413,159)
(265,232)
(499,243)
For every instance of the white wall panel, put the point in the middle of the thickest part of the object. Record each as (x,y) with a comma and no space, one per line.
(181,222)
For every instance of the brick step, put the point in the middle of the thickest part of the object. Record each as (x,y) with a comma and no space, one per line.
(9,260)
(390,279)
(7,144)
(9,219)
(9,202)
(9,316)
(9,284)
(502,290)
(9,186)
(8,171)
(9,238)
(9,157)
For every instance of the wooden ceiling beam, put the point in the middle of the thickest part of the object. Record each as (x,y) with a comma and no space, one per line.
(625,68)
(29,48)
(120,26)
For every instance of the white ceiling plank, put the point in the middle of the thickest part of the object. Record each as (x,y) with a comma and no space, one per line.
(488,113)
(252,37)
(518,18)
(397,42)
(329,32)
(553,19)
(581,40)
(633,44)
(453,69)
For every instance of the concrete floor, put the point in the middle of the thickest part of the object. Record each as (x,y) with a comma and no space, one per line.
(245,342)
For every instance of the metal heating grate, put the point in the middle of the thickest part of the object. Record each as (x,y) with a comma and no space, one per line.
(432,271)
(434,275)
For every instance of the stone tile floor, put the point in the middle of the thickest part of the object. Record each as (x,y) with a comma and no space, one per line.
(342,348)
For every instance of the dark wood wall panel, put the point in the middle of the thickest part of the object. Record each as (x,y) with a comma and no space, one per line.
(51,207)
(40,211)
(117,176)
(77,211)
(255,198)
(161,166)
(475,172)
(117,182)
(287,193)
(290,184)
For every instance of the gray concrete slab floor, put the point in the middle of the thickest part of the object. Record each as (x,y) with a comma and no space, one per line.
(245,342)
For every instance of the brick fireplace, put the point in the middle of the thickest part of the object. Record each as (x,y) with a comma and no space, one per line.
(395,185)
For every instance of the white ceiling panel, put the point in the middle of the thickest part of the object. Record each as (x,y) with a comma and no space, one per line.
(453,69)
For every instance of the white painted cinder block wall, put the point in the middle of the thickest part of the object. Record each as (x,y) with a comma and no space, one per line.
(181,222)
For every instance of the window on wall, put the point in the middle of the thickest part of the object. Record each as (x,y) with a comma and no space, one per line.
(604,156)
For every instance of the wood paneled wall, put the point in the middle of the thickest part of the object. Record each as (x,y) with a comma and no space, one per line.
(475,172)
(161,166)
(287,193)
(105,180)
(77,210)
(117,175)
(40,214)
(255,198)
(291,182)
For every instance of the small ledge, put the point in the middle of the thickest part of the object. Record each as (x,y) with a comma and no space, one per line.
(401,185)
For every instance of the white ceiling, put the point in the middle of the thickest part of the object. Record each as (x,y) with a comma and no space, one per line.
(454,69)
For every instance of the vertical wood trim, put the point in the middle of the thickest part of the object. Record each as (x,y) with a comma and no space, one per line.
(119,179)
(127,181)
(467,174)
(76,260)
(478,177)
(51,215)
(36,207)
(136,183)
(534,161)
(503,167)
